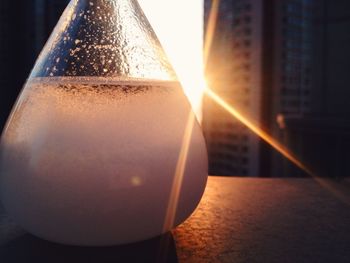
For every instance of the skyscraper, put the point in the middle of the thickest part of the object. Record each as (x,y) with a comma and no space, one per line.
(320,133)
(260,63)
(291,83)
(234,73)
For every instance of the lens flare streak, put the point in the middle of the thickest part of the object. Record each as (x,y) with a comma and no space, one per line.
(181,164)
(235,113)
(209,36)
(179,174)
(329,186)
(213,14)
(254,128)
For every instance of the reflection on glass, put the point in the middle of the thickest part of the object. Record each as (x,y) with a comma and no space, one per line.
(90,153)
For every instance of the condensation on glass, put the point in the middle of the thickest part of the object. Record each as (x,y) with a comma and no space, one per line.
(91,149)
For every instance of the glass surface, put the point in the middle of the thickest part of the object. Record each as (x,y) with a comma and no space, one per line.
(92,152)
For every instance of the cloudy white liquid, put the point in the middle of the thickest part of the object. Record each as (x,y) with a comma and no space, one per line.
(91,162)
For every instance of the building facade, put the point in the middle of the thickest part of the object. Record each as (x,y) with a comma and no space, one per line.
(321,135)
(261,64)
(292,83)
(234,73)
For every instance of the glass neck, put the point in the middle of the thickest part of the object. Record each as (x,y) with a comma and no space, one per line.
(104,38)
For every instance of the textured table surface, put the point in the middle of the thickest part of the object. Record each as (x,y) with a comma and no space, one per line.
(238,220)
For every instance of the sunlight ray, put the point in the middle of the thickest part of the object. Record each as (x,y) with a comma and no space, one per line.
(179,174)
(341,195)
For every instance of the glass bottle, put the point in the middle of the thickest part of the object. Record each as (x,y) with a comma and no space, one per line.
(93,152)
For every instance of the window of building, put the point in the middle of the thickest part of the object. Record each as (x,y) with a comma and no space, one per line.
(247,42)
(247,31)
(247,19)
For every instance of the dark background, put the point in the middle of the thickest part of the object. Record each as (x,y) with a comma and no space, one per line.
(25,26)
(285,64)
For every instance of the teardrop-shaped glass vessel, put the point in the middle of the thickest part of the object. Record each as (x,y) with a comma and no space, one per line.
(99,149)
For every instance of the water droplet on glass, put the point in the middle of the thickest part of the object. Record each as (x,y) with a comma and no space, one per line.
(93,148)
